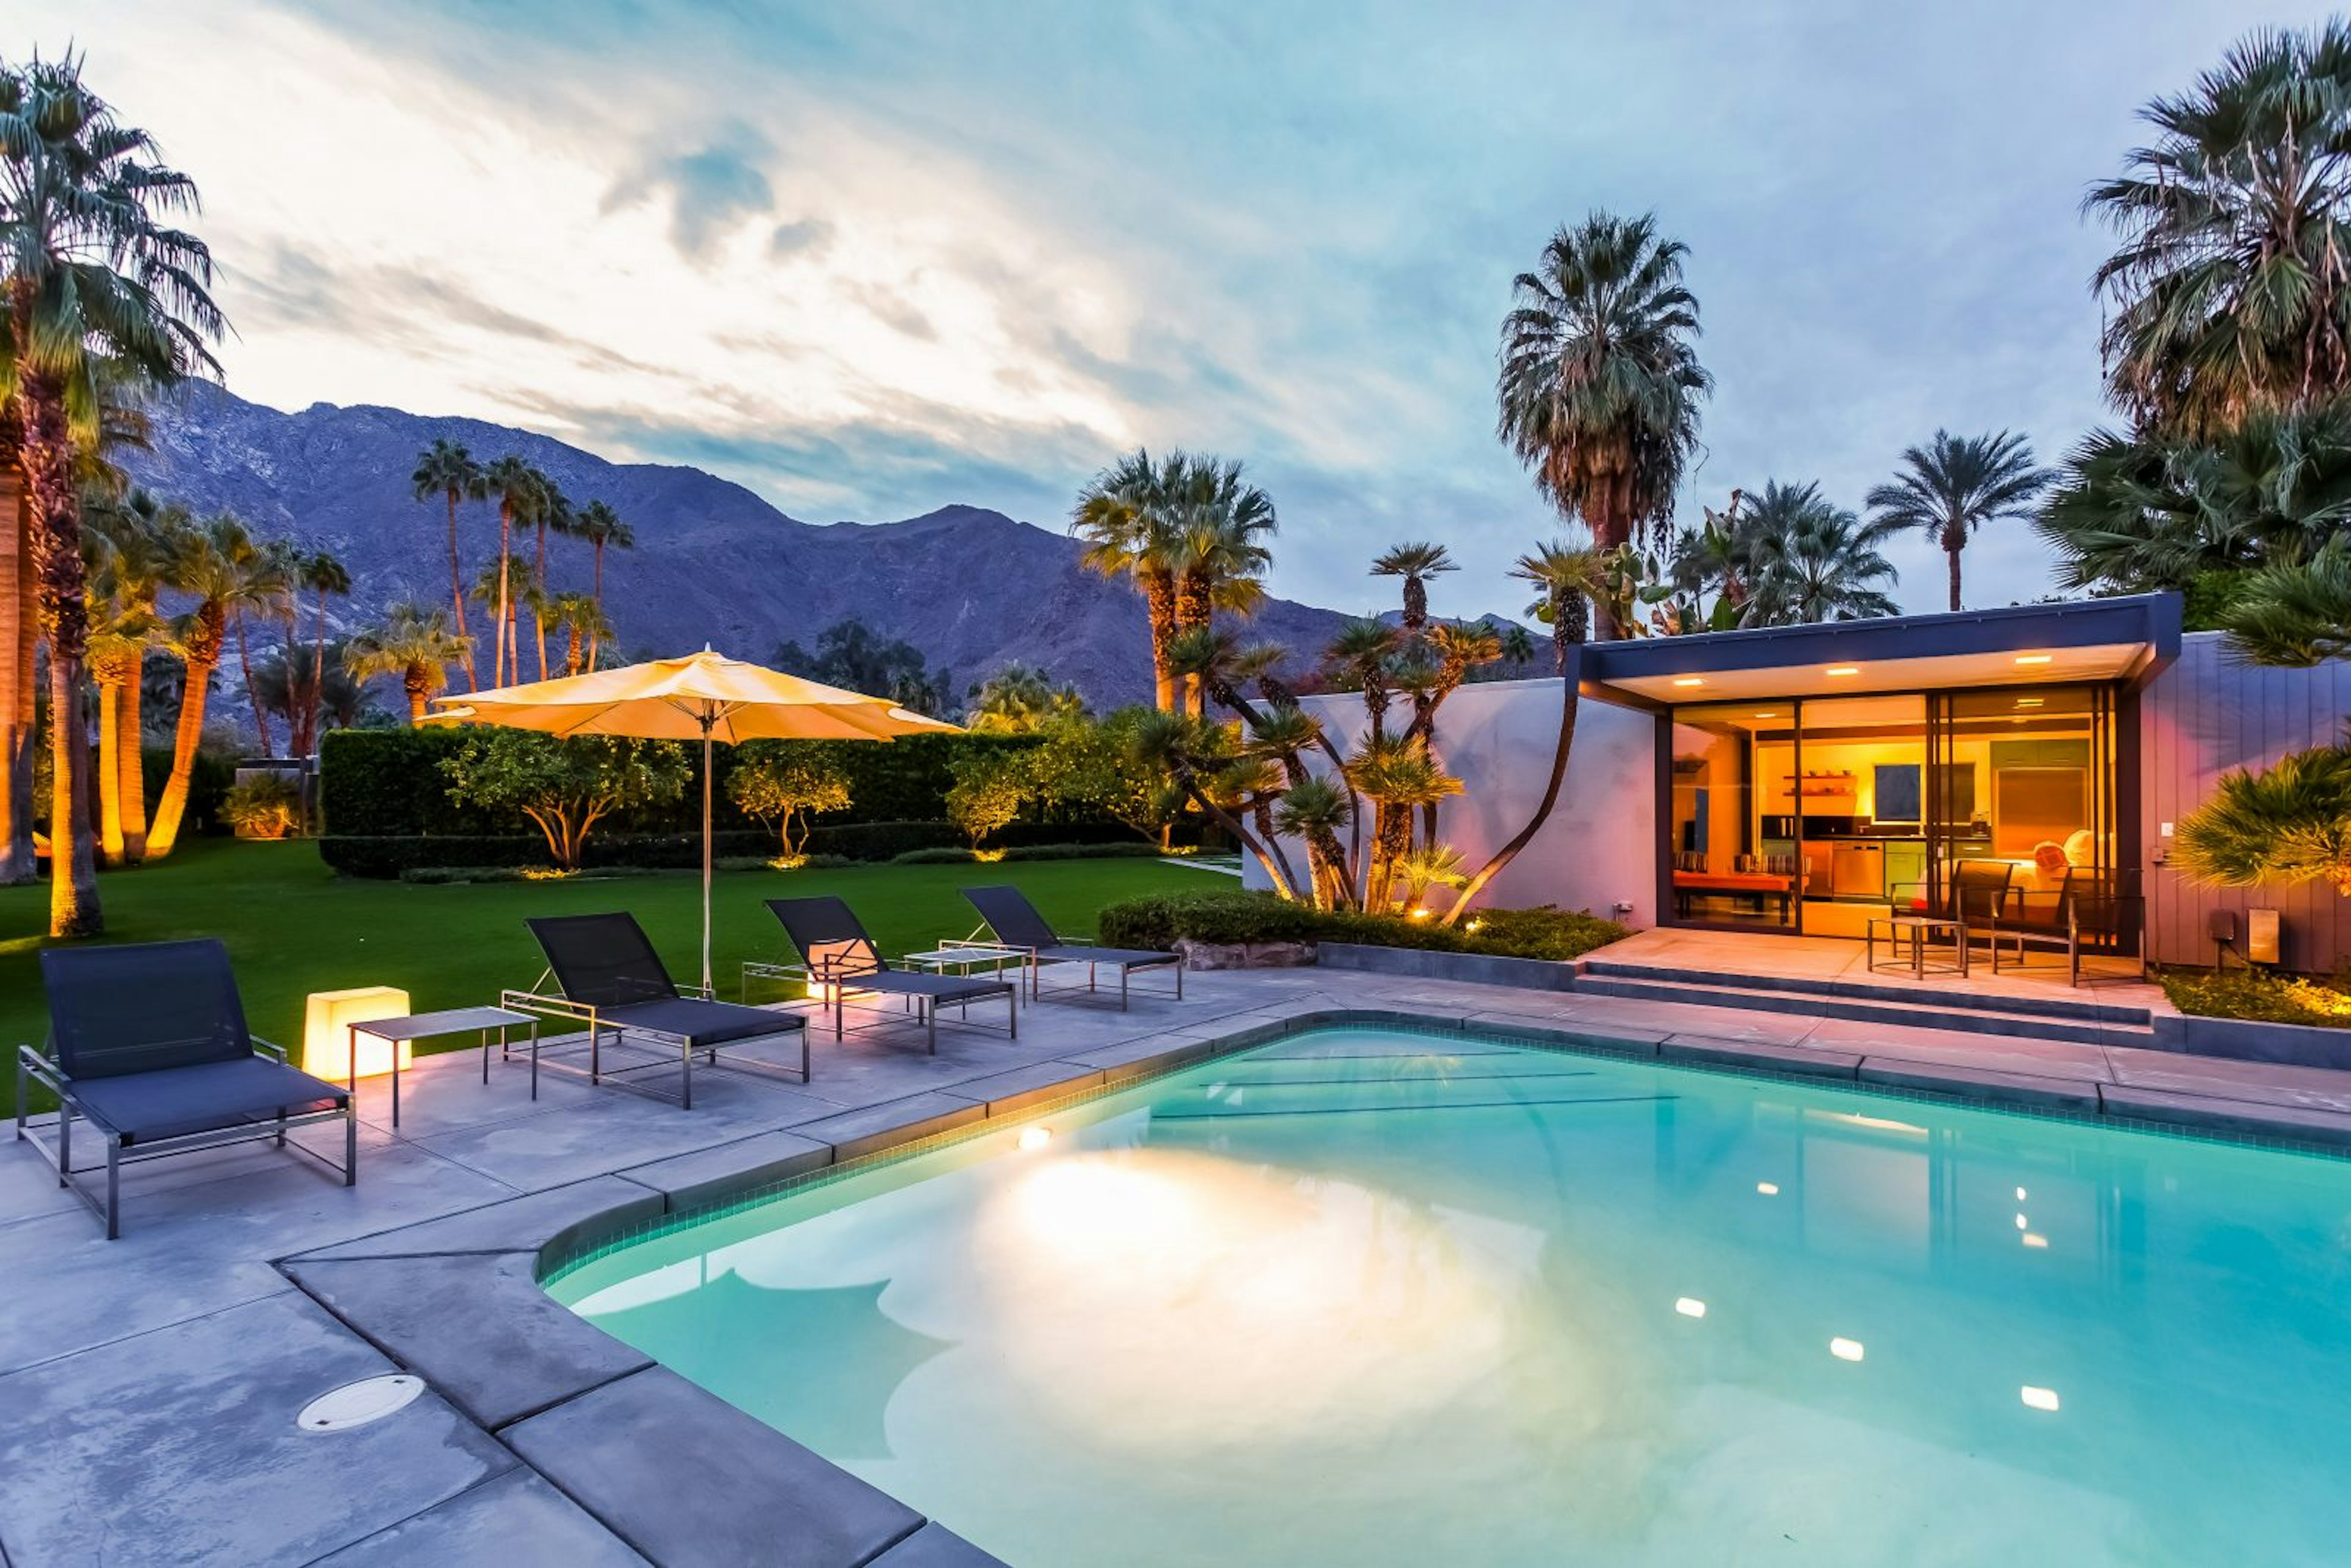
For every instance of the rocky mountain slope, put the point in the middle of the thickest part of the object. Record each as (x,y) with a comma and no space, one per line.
(973,589)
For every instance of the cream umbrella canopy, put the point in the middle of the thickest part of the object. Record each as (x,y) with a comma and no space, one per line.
(705,696)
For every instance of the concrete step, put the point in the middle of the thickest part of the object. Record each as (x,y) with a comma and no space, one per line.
(2081,1007)
(1936,1013)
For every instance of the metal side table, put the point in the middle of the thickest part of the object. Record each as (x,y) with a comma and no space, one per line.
(399,1031)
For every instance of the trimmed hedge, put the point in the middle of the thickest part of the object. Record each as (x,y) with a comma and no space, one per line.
(1232,915)
(390,857)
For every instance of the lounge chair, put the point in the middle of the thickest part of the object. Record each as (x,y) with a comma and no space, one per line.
(609,979)
(2091,908)
(1016,924)
(842,957)
(149,1045)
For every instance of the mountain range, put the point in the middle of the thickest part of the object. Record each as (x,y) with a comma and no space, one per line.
(972,589)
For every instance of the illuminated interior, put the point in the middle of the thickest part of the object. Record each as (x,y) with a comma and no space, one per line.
(1815,814)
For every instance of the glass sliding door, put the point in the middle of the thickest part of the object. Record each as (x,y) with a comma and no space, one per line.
(1863,790)
(2032,785)
(1732,854)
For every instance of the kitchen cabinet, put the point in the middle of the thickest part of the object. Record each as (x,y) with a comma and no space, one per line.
(1858,870)
(1906,865)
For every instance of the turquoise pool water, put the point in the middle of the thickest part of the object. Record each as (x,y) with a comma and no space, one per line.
(1370,1298)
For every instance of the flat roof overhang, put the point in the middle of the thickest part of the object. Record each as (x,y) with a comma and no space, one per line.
(2124,640)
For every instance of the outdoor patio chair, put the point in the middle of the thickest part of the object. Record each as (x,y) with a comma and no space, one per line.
(2091,909)
(1978,895)
(610,980)
(842,957)
(1015,924)
(149,1045)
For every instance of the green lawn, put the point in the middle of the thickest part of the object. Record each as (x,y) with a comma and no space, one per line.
(292,927)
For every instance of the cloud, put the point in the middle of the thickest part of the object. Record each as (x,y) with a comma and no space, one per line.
(801,237)
(711,190)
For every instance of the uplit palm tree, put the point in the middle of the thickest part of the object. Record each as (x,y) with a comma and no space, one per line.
(1805,559)
(412,644)
(1128,520)
(2232,291)
(1020,700)
(1953,486)
(1221,560)
(2289,823)
(1600,379)
(522,493)
(1569,574)
(556,516)
(603,529)
(1415,563)
(215,565)
(580,622)
(96,282)
(447,470)
(1397,775)
(130,542)
(1360,658)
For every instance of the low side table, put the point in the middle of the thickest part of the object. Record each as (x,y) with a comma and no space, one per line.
(962,960)
(1917,928)
(428,1026)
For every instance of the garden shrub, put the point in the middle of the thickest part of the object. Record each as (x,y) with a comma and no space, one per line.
(265,807)
(2259,996)
(1231,916)
(445,875)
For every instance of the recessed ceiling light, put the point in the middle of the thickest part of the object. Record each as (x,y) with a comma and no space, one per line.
(2040,1399)
(1844,670)
(2034,658)
(2029,702)
(1846,1349)
(1767,716)
(1688,680)
(1768,1189)
(1690,1307)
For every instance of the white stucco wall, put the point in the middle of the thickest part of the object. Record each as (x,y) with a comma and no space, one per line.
(1600,846)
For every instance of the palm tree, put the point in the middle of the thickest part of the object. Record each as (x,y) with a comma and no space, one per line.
(447,470)
(1361,658)
(1020,700)
(1953,486)
(129,541)
(581,622)
(323,575)
(2295,614)
(271,568)
(1801,559)
(1126,514)
(1569,574)
(1220,562)
(602,528)
(521,491)
(1415,563)
(2232,291)
(218,565)
(96,281)
(414,643)
(555,516)
(1600,382)
(19,625)
(1397,775)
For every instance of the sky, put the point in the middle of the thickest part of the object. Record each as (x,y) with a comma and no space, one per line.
(873,259)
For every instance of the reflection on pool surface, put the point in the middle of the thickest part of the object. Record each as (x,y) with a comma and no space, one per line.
(1372,1298)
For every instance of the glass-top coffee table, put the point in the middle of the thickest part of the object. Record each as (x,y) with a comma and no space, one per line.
(1918,929)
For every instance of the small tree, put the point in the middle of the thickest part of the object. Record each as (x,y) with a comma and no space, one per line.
(775,787)
(564,786)
(1088,763)
(988,791)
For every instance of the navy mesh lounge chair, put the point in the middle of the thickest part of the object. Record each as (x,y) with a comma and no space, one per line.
(841,957)
(1016,924)
(610,981)
(149,1045)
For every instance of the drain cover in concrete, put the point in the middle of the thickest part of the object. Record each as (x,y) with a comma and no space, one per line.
(357,1404)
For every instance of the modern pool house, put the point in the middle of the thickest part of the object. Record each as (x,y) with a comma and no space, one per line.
(1803,780)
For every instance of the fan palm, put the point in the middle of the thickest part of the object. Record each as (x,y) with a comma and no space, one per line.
(414,644)
(1397,775)
(603,529)
(2291,823)
(2232,290)
(2295,614)
(1415,563)
(218,565)
(1127,516)
(1221,521)
(96,281)
(581,622)
(1600,380)
(1020,700)
(445,469)
(522,493)
(1359,659)
(129,543)
(1953,486)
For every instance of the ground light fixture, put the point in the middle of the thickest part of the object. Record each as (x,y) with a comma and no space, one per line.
(1035,1138)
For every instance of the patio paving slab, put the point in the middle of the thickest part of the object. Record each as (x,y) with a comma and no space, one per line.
(1991,1086)
(2005,1053)
(936,1546)
(618,1130)
(686,1479)
(529,1351)
(1141,1057)
(1023,1088)
(2204,1113)
(1757,1054)
(181,1446)
(514,1224)
(709,1175)
(2219,1078)
(509,1521)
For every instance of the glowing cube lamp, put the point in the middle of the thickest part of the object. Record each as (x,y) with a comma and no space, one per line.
(327,1032)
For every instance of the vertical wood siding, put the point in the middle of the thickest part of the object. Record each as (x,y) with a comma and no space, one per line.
(2204,717)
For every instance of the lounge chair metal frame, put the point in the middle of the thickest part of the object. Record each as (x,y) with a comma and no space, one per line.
(34,1066)
(1049,948)
(860,970)
(601,1019)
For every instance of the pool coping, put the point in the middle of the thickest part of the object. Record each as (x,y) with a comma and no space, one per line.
(682,1477)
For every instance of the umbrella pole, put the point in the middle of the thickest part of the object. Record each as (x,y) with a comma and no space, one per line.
(705,855)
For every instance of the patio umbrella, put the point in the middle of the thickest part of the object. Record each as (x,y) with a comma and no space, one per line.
(705,696)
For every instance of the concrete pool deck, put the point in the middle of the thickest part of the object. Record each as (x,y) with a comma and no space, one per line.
(150,1386)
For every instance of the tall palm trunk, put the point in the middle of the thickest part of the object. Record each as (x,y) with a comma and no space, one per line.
(130,761)
(19,625)
(1159,604)
(506,574)
(1567,645)
(1610,528)
(537,608)
(252,699)
(65,617)
(572,658)
(598,594)
(203,656)
(110,666)
(458,593)
(1194,606)
(418,683)
(1955,539)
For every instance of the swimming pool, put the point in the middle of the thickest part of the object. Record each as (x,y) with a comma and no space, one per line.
(1370,1298)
